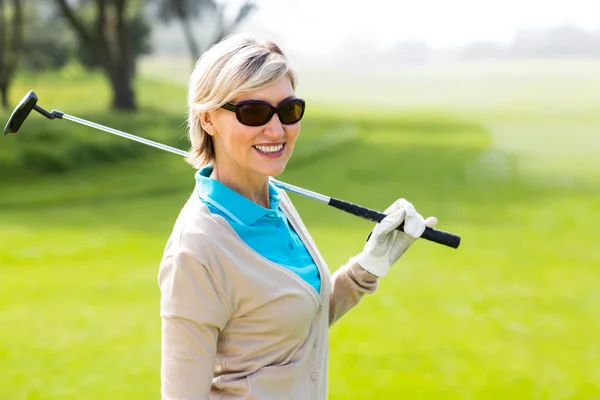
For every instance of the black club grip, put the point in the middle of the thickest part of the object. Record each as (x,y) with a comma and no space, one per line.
(433,235)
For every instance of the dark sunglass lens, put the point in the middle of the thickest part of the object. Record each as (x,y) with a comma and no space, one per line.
(291,112)
(254,114)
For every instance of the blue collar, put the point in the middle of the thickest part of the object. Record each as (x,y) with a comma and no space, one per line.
(233,204)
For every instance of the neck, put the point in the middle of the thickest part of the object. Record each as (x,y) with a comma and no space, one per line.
(253,186)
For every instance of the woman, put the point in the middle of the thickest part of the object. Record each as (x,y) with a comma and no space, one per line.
(246,298)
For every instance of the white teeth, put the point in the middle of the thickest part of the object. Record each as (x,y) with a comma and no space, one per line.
(269,149)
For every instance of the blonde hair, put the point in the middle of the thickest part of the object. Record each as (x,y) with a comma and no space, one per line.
(237,65)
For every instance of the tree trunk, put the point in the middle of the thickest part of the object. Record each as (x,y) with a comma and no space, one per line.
(123,94)
(4,48)
(4,94)
(124,98)
(11,46)
(110,41)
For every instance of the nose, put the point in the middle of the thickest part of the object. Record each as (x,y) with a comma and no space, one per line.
(274,128)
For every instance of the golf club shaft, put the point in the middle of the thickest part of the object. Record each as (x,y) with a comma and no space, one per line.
(126,135)
(434,235)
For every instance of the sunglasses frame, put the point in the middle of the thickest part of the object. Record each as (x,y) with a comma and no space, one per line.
(274,110)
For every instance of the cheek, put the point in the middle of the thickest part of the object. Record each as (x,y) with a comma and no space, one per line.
(234,135)
(292,132)
(242,138)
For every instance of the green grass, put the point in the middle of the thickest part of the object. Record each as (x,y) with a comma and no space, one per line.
(513,313)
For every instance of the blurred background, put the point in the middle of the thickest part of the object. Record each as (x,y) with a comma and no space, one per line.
(484,114)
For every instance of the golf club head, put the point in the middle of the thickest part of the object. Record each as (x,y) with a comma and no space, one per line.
(21,112)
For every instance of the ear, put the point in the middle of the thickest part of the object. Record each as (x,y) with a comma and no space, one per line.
(206,120)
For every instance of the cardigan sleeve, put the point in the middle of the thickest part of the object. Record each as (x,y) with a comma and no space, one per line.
(193,312)
(349,284)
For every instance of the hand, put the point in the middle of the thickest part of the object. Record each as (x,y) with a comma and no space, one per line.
(386,243)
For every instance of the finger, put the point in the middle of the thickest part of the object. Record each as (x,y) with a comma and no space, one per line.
(431,222)
(390,222)
(397,213)
(414,225)
(397,205)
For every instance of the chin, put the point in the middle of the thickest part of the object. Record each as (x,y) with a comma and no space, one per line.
(274,169)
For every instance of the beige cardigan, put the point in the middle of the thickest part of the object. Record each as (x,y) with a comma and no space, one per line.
(237,326)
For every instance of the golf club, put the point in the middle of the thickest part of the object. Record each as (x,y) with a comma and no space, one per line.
(29,103)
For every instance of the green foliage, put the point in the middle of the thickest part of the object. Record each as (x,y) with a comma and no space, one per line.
(41,51)
(139,28)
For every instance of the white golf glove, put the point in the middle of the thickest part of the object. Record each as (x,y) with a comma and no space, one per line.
(386,243)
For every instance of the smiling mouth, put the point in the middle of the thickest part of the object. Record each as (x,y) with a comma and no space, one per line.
(270,149)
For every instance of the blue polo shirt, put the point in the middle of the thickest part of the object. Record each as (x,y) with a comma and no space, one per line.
(265,230)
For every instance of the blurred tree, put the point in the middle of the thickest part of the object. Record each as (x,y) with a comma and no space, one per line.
(11,44)
(187,10)
(559,41)
(42,52)
(139,35)
(113,40)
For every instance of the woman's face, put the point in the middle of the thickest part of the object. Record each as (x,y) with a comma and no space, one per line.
(263,150)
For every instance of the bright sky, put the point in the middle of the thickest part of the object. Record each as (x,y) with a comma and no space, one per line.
(316,25)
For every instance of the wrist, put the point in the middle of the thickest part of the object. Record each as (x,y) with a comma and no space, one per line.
(372,265)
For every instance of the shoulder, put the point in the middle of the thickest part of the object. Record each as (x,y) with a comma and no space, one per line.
(196,232)
(199,251)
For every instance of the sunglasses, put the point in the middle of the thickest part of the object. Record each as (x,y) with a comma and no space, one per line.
(258,112)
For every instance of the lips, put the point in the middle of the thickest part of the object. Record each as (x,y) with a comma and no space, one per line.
(270,150)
